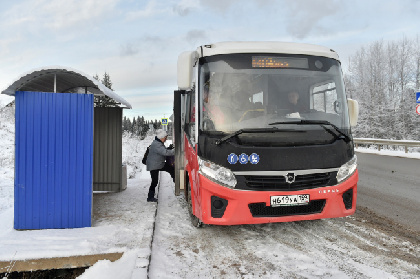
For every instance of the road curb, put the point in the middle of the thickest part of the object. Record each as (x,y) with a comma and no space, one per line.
(142,265)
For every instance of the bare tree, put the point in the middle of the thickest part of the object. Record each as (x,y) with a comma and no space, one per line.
(417,61)
(383,78)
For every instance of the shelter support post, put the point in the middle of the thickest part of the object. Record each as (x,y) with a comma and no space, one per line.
(55,83)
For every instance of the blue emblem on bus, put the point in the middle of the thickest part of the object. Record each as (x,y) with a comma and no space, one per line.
(243,158)
(254,158)
(232,158)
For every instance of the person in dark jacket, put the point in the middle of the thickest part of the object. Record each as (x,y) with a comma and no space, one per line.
(156,161)
(294,104)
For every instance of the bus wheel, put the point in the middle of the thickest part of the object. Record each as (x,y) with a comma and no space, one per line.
(194,219)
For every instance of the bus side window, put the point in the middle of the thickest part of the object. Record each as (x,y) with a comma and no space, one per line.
(257,100)
(324,97)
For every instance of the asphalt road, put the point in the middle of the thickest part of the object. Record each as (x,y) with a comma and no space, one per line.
(390,187)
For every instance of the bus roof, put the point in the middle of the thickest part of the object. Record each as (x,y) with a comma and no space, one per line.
(266,47)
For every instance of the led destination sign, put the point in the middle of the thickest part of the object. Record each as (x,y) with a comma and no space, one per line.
(279,62)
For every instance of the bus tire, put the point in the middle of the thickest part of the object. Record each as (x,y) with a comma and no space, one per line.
(194,219)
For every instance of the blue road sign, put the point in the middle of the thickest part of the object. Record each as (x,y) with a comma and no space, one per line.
(418,97)
(164,121)
(243,158)
(254,158)
(232,158)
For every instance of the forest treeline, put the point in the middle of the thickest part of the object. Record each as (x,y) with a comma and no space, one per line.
(384,78)
(138,126)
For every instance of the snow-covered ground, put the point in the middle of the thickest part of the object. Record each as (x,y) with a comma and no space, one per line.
(351,247)
(384,152)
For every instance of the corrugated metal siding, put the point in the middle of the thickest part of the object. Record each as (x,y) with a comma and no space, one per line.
(107,154)
(53,161)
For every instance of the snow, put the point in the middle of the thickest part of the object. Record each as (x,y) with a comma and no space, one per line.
(125,222)
(385,152)
(122,268)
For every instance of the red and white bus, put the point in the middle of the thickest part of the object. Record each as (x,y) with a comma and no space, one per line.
(262,132)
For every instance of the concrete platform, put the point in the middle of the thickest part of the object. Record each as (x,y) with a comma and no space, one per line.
(56,263)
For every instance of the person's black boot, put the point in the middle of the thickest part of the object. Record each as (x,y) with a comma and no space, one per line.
(152,200)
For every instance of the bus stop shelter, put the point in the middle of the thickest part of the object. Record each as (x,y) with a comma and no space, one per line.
(65,147)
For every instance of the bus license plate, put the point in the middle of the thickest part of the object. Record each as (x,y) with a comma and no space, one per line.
(289,200)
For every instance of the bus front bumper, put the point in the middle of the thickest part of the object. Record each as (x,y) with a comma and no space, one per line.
(225,206)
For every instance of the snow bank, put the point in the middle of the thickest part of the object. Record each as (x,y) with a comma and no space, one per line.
(384,152)
(7,157)
(105,269)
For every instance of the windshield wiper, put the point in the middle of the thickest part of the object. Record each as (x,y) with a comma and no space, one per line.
(261,130)
(322,123)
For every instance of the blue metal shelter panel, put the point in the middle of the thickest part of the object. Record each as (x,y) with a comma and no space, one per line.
(53,160)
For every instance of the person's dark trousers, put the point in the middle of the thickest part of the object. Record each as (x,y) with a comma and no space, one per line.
(155,178)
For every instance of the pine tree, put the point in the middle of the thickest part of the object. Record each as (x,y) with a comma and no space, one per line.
(139,126)
(134,129)
(105,101)
(128,125)
(106,80)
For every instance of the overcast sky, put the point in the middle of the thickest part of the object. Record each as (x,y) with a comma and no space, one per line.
(137,42)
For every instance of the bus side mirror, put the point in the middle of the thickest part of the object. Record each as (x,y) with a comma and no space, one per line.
(353,111)
(186,61)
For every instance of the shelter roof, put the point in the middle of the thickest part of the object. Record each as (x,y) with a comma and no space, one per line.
(61,80)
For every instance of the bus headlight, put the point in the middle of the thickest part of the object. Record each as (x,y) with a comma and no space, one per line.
(347,169)
(217,173)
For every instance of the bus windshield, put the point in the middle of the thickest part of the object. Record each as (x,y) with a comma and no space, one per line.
(246,91)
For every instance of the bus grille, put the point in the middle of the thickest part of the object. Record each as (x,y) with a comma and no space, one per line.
(261,210)
(278,183)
